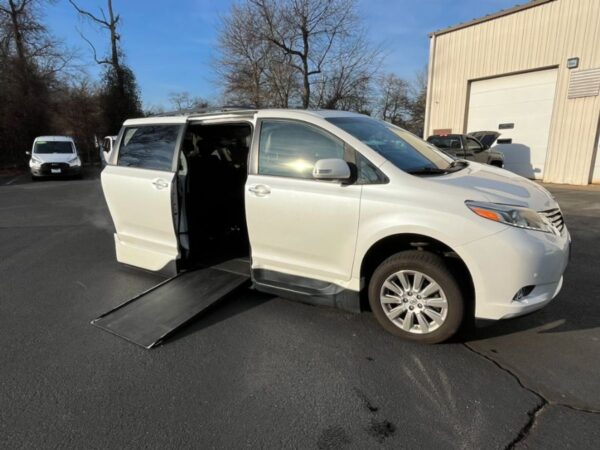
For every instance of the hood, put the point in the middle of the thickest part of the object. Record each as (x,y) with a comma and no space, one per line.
(487,183)
(55,157)
(487,138)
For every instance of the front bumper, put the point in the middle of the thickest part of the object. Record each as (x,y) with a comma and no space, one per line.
(55,170)
(513,259)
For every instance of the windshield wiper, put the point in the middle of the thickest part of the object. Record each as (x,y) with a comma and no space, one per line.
(427,170)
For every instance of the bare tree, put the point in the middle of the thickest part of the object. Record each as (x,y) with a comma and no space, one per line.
(345,83)
(184,101)
(419,99)
(308,31)
(394,103)
(296,53)
(30,63)
(28,40)
(107,23)
(121,93)
(252,70)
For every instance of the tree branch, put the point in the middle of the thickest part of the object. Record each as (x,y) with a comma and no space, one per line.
(90,15)
(98,61)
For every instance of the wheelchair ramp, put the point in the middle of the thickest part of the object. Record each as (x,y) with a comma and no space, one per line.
(149,318)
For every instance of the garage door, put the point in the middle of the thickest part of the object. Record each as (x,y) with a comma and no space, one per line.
(520,108)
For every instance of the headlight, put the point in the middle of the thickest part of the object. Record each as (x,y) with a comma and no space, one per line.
(515,216)
(75,161)
(35,161)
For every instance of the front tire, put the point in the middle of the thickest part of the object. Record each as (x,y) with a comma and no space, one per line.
(414,295)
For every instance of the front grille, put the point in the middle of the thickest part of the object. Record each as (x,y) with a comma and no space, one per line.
(555,216)
(47,167)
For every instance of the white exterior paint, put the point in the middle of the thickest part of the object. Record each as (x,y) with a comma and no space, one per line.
(37,159)
(525,100)
(143,215)
(323,230)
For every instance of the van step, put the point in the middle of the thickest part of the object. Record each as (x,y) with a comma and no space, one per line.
(149,318)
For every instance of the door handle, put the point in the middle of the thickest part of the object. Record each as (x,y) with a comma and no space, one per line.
(159,183)
(260,190)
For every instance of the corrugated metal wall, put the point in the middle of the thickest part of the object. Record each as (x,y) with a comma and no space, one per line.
(539,37)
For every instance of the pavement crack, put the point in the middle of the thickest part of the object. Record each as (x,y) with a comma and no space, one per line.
(533,414)
(527,388)
(524,432)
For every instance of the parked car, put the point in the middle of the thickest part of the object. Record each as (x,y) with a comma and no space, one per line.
(335,205)
(106,148)
(474,146)
(54,156)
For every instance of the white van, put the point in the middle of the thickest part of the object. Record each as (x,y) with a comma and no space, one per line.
(331,207)
(54,156)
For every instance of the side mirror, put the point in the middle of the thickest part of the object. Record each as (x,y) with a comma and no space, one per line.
(331,169)
(485,147)
(28,153)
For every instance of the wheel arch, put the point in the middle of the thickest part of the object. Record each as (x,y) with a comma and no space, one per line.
(395,243)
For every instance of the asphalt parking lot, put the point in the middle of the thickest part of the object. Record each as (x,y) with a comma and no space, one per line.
(260,371)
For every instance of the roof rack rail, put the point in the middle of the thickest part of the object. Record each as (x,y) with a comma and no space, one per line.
(208,110)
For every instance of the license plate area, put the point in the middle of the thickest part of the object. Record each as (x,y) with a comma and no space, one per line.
(55,170)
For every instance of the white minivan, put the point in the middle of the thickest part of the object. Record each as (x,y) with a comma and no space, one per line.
(333,207)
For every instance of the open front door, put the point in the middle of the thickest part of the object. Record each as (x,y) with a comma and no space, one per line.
(141,192)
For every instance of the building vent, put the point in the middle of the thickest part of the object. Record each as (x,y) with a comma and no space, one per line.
(584,83)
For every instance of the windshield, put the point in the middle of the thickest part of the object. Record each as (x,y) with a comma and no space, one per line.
(46,147)
(405,150)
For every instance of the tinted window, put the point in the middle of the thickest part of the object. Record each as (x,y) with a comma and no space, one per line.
(46,147)
(367,172)
(403,149)
(149,147)
(290,149)
(445,142)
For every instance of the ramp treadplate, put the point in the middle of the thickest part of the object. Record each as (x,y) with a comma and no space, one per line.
(148,318)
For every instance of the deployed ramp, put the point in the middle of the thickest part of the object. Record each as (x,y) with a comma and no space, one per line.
(150,317)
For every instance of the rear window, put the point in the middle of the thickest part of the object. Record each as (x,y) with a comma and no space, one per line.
(47,147)
(445,141)
(149,147)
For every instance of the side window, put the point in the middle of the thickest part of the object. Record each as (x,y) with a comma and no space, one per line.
(473,145)
(290,149)
(367,172)
(149,147)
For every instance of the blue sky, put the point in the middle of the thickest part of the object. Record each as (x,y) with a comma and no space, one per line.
(170,44)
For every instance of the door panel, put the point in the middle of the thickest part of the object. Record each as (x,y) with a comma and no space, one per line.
(141,205)
(302,227)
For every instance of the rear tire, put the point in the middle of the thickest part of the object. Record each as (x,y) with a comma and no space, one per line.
(414,295)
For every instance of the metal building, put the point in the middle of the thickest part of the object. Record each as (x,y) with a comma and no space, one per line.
(532,73)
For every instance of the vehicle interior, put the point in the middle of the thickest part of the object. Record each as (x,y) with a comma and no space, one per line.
(212,175)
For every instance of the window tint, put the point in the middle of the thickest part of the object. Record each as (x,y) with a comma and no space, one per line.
(472,144)
(149,147)
(290,149)
(367,172)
